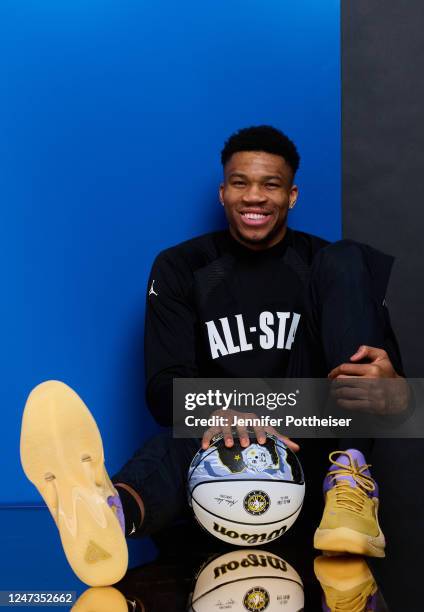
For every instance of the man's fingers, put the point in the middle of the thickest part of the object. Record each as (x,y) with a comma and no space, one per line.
(228,436)
(369,352)
(260,434)
(354,405)
(367,370)
(243,435)
(292,445)
(344,381)
(350,393)
(208,435)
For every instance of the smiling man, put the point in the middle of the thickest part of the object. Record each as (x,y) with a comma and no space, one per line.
(229,303)
(257,194)
(256,300)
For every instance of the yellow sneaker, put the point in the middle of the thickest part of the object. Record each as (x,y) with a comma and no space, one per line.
(349,523)
(62,455)
(347,583)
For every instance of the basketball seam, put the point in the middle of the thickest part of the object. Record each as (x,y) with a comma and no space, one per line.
(244,522)
(244,480)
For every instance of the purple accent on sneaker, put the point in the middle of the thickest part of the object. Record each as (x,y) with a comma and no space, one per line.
(114,501)
(372,602)
(344,460)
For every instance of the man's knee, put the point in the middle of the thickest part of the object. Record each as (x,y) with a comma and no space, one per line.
(340,260)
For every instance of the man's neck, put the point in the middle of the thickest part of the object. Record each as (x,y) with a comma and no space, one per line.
(259,246)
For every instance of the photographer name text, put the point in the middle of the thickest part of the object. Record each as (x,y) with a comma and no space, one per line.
(266,421)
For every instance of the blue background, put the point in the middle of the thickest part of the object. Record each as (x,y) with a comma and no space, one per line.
(112,117)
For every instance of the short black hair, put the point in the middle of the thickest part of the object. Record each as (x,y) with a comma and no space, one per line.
(262,138)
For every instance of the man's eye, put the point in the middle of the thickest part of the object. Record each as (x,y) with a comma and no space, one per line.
(238,183)
(272,185)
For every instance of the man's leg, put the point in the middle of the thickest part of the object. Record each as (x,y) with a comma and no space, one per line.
(152,484)
(344,311)
(347,302)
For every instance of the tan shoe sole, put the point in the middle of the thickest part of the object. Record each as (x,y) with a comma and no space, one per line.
(101,599)
(344,540)
(343,573)
(62,455)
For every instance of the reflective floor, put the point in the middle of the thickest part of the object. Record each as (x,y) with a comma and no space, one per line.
(288,575)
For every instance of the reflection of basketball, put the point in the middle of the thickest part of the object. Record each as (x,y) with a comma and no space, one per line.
(252,580)
(246,496)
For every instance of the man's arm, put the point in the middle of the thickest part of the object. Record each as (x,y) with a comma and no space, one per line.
(169,338)
(348,285)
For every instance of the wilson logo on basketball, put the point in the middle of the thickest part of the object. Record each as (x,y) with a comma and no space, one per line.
(249,538)
(252,560)
(256,599)
(256,502)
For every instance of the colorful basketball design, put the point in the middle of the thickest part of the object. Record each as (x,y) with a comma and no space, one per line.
(246,496)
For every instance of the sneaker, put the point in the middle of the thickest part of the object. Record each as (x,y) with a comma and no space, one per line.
(101,599)
(62,455)
(347,583)
(350,520)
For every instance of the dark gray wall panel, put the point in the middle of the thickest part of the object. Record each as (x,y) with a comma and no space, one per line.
(383,150)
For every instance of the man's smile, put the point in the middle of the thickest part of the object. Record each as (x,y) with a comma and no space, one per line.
(255,217)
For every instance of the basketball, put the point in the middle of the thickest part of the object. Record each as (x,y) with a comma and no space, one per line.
(246,496)
(249,579)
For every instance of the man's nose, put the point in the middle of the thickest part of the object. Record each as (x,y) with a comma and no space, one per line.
(254,194)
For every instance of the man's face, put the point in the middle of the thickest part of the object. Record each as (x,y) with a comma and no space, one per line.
(256,193)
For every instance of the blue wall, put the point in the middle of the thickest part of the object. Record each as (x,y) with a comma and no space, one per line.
(112,116)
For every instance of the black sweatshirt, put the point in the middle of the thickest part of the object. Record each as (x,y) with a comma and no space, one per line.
(218,309)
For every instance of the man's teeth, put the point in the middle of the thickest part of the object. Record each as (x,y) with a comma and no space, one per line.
(254,216)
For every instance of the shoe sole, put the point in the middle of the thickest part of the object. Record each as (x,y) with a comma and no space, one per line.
(342,573)
(62,455)
(344,540)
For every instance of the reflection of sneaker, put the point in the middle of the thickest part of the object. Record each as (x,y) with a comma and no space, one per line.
(101,599)
(62,455)
(347,584)
(350,522)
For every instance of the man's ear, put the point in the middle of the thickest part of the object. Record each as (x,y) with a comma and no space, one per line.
(221,193)
(293,195)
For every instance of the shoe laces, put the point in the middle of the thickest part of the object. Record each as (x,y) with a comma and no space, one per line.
(347,496)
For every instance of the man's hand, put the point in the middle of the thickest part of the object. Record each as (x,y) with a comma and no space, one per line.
(242,432)
(353,391)
(380,365)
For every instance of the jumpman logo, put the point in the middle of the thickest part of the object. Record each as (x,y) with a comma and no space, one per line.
(152,291)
